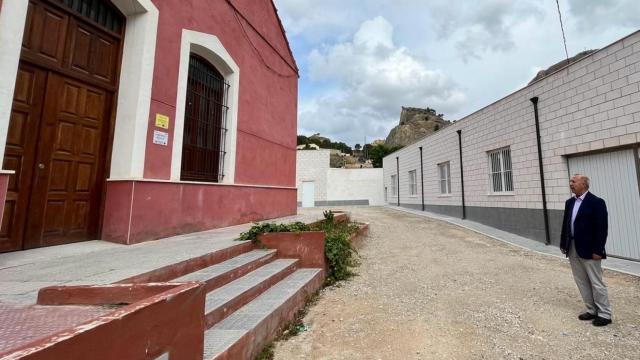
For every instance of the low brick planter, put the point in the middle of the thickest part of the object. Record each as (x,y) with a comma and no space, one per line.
(308,246)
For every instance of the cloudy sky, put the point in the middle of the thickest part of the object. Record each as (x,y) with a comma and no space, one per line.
(361,60)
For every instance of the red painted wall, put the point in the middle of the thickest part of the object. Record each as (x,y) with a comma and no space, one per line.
(250,31)
(137,211)
(267,110)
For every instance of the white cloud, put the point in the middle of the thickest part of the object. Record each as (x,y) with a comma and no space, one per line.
(597,15)
(473,27)
(477,52)
(480,27)
(373,78)
(317,20)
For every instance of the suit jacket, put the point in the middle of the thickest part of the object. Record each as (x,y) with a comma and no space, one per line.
(590,227)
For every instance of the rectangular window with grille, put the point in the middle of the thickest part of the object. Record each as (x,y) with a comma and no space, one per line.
(500,172)
(394,185)
(413,183)
(444,170)
(205,130)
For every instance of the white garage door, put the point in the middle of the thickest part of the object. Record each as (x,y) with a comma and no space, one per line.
(614,177)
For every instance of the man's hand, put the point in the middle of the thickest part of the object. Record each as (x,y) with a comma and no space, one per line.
(596,257)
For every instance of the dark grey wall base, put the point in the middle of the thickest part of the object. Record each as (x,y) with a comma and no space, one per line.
(454,211)
(409,206)
(555,225)
(528,223)
(342,202)
(339,203)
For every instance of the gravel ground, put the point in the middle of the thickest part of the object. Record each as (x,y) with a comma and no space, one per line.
(430,290)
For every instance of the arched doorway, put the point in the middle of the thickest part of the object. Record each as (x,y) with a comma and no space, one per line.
(60,125)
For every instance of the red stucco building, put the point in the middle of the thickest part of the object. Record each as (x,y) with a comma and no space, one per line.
(132,120)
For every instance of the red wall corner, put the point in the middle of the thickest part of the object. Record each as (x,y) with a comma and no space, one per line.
(117,211)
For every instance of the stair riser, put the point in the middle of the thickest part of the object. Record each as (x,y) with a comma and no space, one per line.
(227,309)
(182,268)
(227,277)
(254,341)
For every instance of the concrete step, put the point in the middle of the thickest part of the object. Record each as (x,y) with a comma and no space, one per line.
(244,333)
(226,299)
(125,268)
(224,272)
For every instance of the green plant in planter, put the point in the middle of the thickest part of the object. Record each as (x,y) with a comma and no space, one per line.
(341,257)
(257,229)
(328,216)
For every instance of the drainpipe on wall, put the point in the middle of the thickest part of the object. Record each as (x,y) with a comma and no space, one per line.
(422,177)
(398,178)
(545,211)
(464,208)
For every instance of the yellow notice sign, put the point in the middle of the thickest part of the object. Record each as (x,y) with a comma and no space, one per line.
(162,121)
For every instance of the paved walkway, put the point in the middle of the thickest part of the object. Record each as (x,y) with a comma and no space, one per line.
(611,263)
(23,273)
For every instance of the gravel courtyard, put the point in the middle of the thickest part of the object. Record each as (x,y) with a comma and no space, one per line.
(430,290)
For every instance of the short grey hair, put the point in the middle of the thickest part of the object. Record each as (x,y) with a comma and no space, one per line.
(584,178)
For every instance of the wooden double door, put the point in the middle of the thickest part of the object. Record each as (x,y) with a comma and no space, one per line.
(59,131)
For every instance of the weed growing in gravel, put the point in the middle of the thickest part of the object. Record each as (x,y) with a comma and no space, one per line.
(266,353)
(295,327)
(341,256)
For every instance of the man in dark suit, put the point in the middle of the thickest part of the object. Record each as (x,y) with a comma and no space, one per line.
(584,234)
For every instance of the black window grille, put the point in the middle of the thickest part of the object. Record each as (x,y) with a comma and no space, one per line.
(101,12)
(205,128)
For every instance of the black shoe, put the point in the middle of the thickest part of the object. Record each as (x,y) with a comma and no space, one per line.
(587,316)
(600,321)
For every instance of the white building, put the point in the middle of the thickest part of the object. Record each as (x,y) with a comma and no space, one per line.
(588,116)
(320,185)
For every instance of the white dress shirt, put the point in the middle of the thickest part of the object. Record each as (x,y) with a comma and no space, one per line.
(576,207)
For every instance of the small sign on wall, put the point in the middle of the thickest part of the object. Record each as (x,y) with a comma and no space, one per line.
(160,137)
(162,121)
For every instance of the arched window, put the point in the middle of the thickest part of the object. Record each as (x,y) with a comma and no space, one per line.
(203,146)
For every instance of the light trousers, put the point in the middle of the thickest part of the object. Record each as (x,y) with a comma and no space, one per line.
(588,276)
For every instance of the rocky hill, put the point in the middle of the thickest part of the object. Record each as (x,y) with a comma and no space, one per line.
(560,64)
(415,123)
